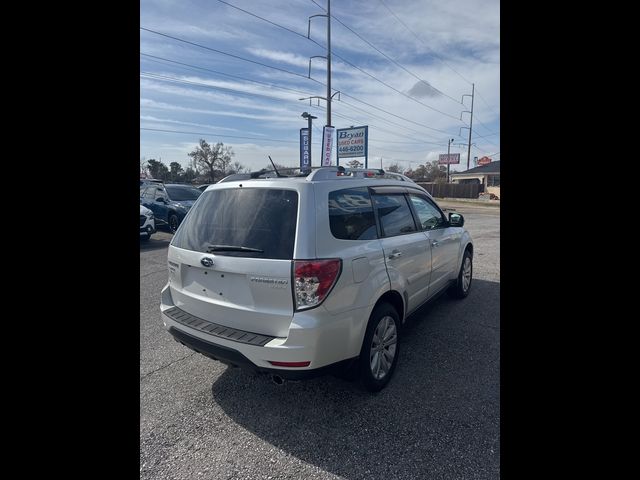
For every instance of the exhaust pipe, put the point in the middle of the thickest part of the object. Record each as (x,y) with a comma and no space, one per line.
(277,379)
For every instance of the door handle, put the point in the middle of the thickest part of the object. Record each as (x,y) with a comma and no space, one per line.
(395,254)
(435,243)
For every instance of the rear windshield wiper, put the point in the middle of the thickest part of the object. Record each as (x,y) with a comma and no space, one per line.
(232,248)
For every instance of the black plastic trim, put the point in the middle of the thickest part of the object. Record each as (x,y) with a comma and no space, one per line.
(210,328)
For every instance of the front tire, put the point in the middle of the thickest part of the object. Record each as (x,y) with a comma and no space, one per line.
(380,348)
(461,288)
(173,223)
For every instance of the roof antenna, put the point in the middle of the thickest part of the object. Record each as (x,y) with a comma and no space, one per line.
(274,168)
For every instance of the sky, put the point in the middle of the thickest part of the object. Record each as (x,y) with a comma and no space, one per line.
(240,78)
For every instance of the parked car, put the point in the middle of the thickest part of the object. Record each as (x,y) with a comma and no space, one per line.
(202,188)
(147,181)
(169,203)
(299,276)
(147,223)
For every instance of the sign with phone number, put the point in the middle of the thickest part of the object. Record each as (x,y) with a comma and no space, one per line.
(352,142)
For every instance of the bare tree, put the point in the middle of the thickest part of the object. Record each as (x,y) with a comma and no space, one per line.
(212,160)
(237,167)
(395,168)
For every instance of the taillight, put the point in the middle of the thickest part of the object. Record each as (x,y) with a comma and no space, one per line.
(313,280)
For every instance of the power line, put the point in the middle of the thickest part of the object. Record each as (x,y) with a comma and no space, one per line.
(188,82)
(273,86)
(224,53)
(387,56)
(344,60)
(376,126)
(292,73)
(262,18)
(487,104)
(423,42)
(489,135)
(195,67)
(219,135)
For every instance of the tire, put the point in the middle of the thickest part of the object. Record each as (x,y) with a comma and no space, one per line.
(174,222)
(145,238)
(373,374)
(461,288)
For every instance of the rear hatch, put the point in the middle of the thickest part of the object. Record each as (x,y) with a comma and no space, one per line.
(230,260)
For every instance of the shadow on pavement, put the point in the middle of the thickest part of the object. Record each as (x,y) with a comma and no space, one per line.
(438,418)
(154,243)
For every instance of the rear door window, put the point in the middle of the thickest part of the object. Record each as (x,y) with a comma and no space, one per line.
(257,218)
(351,214)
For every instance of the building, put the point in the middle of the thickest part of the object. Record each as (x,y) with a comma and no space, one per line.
(487,175)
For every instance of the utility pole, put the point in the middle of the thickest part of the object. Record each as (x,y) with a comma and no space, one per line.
(329,63)
(473,89)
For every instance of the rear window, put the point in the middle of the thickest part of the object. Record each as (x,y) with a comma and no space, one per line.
(351,214)
(259,218)
(178,194)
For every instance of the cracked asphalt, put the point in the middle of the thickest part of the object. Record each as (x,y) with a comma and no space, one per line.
(439,417)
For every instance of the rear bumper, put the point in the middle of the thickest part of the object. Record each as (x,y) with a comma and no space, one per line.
(316,336)
(148,227)
(234,358)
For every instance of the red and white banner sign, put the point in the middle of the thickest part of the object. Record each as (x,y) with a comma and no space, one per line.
(327,145)
(445,159)
(484,161)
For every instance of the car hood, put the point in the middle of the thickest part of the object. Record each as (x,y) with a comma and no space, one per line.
(145,211)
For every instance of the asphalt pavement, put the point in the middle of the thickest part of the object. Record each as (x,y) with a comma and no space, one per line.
(439,417)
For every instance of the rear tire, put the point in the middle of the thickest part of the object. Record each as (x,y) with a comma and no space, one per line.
(461,288)
(145,238)
(380,348)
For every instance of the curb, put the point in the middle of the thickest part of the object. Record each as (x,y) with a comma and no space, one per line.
(489,203)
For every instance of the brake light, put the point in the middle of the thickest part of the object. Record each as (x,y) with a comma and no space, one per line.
(313,280)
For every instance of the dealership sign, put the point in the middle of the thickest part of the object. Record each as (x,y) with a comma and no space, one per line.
(353,142)
(305,150)
(449,158)
(484,161)
(327,144)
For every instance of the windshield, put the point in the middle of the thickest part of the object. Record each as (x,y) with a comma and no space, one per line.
(178,194)
(242,222)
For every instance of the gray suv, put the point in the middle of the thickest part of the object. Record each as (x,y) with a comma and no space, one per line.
(302,275)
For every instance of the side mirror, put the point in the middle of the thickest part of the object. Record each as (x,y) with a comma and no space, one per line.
(456,220)
(161,200)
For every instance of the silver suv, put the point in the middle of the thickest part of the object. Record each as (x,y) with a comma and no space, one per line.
(303,275)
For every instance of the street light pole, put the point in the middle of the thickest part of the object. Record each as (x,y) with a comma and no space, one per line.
(448,158)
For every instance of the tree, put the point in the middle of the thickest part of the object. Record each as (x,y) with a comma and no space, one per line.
(237,167)
(144,168)
(395,168)
(355,164)
(176,171)
(420,173)
(189,175)
(212,160)
(157,169)
(436,173)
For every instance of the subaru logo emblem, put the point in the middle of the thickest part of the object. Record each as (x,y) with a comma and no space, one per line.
(207,262)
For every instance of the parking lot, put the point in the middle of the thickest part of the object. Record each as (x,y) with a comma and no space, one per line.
(439,417)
